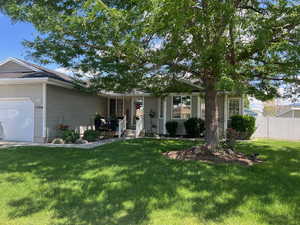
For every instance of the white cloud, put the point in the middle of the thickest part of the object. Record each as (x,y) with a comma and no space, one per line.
(64,70)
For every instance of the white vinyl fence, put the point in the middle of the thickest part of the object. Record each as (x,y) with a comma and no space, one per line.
(277,128)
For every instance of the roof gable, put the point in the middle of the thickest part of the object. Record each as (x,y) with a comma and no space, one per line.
(17,68)
(13,66)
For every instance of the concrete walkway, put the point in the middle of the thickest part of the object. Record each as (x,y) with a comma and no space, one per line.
(10,144)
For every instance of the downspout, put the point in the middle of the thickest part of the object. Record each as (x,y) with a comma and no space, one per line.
(45,112)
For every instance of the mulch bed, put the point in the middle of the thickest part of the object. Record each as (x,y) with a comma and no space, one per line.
(224,156)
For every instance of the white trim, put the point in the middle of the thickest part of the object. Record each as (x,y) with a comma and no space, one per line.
(60,83)
(165,115)
(225,113)
(184,94)
(16,99)
(158,113)
(111,94)
(191,106)
(22,80)
(242,105)
(132,110)
(151,95)
(11,59)
(45,110)
(199,107)
(8,81)
(123,107)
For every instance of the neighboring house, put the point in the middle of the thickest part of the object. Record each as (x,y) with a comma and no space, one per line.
(35,100)
(293,111)
(250,112)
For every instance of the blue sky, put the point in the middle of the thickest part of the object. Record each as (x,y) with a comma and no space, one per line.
(11,37)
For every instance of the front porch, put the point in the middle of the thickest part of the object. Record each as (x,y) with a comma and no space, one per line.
(128,111)
(133,112)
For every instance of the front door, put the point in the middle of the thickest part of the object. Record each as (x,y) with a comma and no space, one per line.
(112,107)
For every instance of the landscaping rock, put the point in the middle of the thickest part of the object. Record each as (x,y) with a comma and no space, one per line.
(230,152)
(225,156)
(58,141)
(81,142)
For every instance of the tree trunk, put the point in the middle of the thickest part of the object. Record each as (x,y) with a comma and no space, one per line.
(211,118)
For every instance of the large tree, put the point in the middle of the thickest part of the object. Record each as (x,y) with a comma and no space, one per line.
(249,45)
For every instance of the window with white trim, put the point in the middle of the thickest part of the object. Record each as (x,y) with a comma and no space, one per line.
(233,107)
(182,107)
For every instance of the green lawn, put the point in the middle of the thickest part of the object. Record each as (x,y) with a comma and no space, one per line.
(132,183)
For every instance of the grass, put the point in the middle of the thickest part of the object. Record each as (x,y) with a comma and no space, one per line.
(132,183)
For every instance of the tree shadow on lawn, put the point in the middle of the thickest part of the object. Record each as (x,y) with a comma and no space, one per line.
(126,183)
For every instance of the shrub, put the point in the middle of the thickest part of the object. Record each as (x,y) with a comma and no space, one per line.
(171,127)
(97,122)
(244,125)
(69,136)
(91,135)
(194,127)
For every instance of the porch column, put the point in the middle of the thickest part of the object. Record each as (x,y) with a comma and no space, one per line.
(123,107)
(242,105)
(199,107)
(131,111)
(165,115)
(158,114)
(225,113)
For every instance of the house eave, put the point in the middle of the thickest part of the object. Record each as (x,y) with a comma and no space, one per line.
(12,81)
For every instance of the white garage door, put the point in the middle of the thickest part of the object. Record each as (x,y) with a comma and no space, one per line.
(16,120)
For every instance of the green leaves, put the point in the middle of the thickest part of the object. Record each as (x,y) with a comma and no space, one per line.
(238,44)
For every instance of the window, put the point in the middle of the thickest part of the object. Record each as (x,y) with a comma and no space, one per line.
(234,107)
(181,107)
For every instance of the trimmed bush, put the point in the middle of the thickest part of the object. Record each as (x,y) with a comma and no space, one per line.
(91,135)
(171,127)
(244,125)
(194,127)
(69,136)
(97,122)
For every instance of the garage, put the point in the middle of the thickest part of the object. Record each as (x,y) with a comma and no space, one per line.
(16,120)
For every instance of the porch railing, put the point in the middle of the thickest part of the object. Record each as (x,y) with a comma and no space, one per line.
(139,126)
(122,126)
